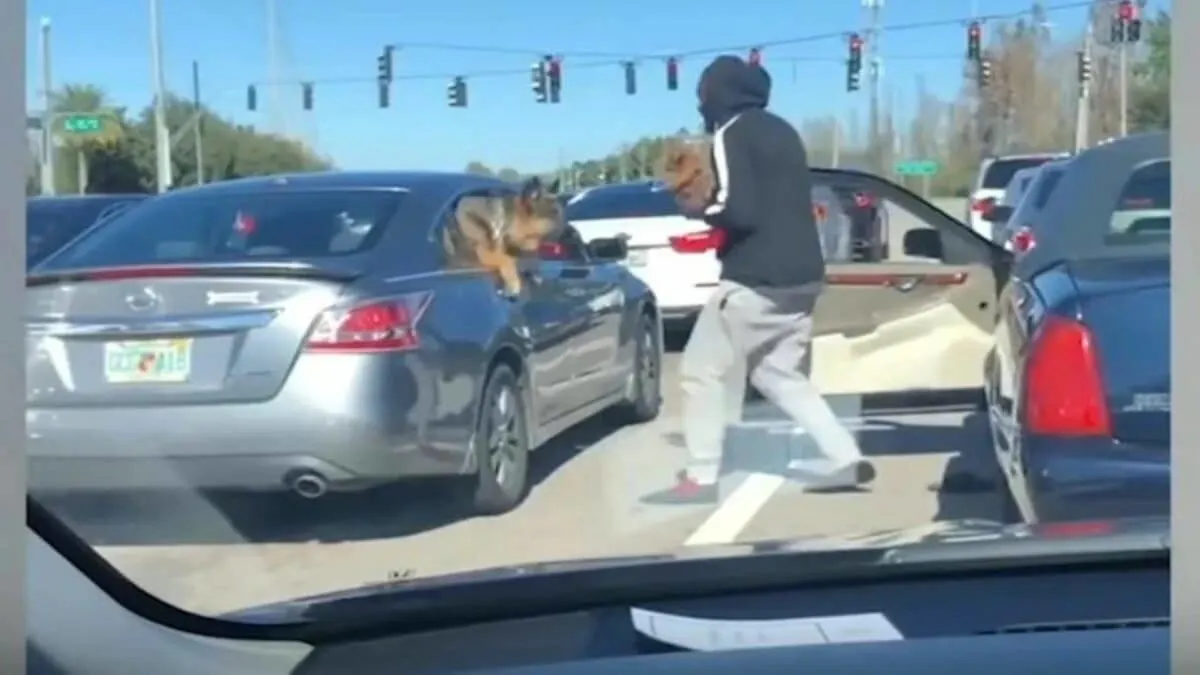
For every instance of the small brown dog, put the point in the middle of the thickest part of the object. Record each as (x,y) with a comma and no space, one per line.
(493,232)
(687,172)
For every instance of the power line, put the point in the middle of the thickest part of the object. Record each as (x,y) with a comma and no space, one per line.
(612,60)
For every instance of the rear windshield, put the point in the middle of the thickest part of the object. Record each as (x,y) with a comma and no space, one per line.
(49,225)
(1000,172)
(236,227)
(604,203)
(1045,187)
(1143,209)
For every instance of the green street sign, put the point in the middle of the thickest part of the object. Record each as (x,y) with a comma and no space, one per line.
(83,124)
(917,168)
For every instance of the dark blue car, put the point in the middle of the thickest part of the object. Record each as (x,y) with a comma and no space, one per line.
(1079,386)
(51,222)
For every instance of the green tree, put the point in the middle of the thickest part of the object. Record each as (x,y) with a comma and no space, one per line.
(1150,100)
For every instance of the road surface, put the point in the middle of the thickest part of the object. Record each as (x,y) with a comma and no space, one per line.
(212,554)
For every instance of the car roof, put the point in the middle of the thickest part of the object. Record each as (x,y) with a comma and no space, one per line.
(435,181)
(67,199)
(1074,208)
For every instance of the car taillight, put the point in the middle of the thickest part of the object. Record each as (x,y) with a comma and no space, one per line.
(698,242)
(983,206)
(382,325)
(552,250)
(1022,240)
(1064,393)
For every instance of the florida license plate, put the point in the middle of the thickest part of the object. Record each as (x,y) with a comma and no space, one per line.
(148,361)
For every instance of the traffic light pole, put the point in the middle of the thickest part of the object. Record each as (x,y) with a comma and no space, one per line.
(1083,108)
(1123,84)
(873,33)
(47,153)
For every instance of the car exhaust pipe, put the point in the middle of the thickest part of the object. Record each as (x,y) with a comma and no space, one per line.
(309,485)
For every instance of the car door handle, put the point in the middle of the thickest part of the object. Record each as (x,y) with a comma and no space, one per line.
(904,284)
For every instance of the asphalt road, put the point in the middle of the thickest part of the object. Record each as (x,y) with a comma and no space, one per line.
(212,554)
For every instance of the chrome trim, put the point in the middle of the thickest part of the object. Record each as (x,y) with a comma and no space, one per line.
(190,324)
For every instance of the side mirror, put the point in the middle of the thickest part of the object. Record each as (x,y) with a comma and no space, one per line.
(609,248)
(923,243)
(999,213)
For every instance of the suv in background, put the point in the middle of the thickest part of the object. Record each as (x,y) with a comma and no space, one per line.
(995,173)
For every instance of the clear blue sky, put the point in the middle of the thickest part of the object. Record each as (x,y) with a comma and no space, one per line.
(106,43)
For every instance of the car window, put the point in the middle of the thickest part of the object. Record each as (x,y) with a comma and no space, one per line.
(52,224)
(1045,187)
(1000,172)
(237,226)
(1143,209)
(622,202)
(833,225)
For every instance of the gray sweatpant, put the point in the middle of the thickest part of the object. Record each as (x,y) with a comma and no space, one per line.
(766,333)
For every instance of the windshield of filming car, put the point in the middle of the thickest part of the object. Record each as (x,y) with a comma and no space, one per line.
(410,296)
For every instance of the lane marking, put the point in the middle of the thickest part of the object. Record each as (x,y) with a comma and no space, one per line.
(737,510)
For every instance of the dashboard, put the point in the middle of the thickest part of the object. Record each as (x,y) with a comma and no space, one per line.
(1078,618)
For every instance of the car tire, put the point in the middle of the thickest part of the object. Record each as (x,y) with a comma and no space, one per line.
(645,401)
(501,445)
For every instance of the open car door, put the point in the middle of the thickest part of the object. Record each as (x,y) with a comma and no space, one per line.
(916,317)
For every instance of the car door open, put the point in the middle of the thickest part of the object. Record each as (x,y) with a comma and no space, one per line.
(919,320)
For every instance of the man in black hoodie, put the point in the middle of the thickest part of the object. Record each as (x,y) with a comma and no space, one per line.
(759,320)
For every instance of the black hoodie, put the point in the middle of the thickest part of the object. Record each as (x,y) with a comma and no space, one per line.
(763,197)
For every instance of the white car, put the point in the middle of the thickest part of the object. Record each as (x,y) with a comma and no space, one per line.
(646,214)
(995,173)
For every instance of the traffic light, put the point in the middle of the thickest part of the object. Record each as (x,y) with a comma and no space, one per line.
(974,40)
(385,76)
(985,71)
(537,77)
(854,62)
(385,65)
(1127,24)
(456,93)
(554,77)
(755,56)
(1084,72)
(672,73)
(306,95)
(251,98)
(630,78)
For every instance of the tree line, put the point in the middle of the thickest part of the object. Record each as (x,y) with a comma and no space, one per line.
(122,158)
(1030,105)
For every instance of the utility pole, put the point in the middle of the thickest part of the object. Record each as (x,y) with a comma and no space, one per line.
(835,155)
(47,162)
(274,74)
(1083,109)
(162,136)
(874,9)
(197,129)
(1123,85)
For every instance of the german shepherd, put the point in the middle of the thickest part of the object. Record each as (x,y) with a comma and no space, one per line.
(494,232)
(687,172)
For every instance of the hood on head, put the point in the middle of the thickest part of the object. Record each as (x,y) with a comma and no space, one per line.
(729,86)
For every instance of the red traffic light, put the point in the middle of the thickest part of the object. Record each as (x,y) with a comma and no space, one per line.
(856,42)
(974,29)
(555,67)
(672,66)
(1126,10)
(755,56)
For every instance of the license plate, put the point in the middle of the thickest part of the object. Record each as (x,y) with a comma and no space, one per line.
(636,259)
(148,361)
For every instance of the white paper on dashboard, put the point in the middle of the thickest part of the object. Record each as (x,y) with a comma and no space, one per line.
(710,635)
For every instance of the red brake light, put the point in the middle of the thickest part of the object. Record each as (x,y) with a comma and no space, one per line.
(1083,528)
(137,272)
(1064,393)
(386,325)
(1023,240)
(698,242)
(983,205)
(552,250)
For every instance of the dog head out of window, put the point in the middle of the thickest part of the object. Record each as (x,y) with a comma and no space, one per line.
(687,172)
(537,216)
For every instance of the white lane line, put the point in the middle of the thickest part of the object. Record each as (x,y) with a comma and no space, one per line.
(737,510)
